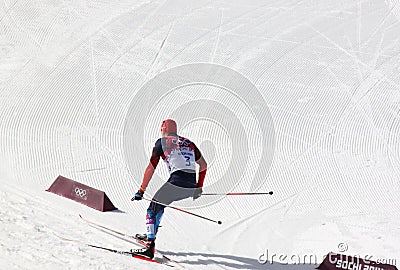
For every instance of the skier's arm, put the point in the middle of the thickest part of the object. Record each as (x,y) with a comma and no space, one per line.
(202,171)
(148,174)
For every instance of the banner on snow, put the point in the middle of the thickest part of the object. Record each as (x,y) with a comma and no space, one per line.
(335,261)
(81,193)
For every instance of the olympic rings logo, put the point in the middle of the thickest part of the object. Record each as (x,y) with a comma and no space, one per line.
(79,192)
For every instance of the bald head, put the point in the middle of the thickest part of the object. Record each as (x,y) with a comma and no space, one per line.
(168,126)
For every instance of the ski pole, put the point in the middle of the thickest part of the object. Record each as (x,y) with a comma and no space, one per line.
(240,193)
(184,211)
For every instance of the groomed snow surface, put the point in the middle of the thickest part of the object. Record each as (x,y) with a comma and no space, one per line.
(327,74)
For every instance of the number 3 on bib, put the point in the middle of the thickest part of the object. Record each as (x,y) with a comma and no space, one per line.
(187,160)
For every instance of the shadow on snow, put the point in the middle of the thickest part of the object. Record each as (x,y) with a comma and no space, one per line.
(235,262)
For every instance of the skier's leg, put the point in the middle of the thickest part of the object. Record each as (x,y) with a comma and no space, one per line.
(174,190)
(153,219)
(155,212)
(180,186)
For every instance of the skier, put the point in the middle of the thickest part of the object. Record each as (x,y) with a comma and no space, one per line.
(180,156)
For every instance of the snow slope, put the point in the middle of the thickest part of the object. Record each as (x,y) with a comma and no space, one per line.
(322,130)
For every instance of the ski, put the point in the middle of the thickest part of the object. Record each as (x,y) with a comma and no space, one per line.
(120,252)
(137,240)
(128,253)
(111,230)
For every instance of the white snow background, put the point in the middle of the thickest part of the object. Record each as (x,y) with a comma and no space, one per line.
(329,72)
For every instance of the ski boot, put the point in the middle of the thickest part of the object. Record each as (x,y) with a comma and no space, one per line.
(147,251)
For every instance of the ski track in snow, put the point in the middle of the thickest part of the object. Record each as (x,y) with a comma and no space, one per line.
(328,71)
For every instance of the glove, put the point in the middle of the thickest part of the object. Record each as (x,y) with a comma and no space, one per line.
(197,193)
(139,195)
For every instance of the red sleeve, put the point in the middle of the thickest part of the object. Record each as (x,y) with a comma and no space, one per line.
(155,158)
(202,175)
